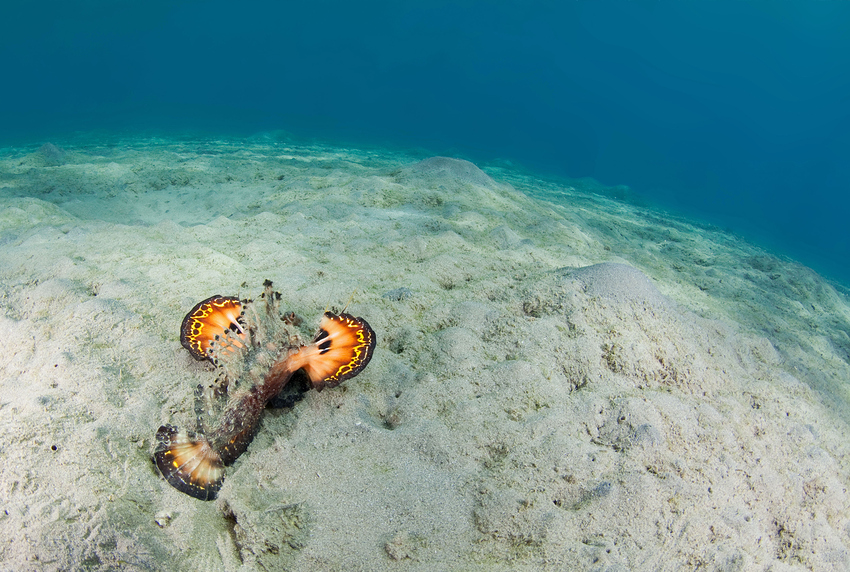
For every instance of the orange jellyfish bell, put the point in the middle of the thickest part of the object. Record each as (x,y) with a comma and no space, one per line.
(341,349)
(208,321)
(188,463)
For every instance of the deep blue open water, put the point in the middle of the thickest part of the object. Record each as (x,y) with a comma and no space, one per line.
(733,112)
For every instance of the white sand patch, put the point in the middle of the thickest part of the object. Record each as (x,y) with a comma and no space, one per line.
(563,381)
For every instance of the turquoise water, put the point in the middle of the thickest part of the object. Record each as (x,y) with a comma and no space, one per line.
(733,112)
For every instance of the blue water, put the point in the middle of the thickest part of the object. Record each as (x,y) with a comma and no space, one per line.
(735,112)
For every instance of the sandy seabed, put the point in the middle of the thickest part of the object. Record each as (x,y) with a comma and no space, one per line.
(564,379)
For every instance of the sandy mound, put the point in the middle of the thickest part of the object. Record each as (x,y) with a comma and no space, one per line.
(618,282)
(444,171)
